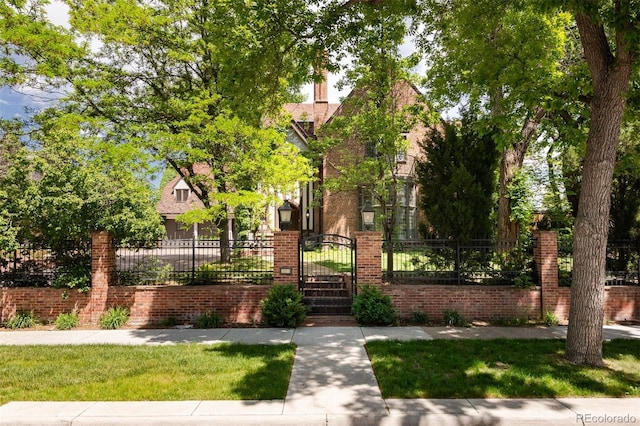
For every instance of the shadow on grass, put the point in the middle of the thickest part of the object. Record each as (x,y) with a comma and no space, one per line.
(501,368)
(337,266)
(270,368)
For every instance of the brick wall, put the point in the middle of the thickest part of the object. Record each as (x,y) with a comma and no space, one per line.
(472,302)
(103,270)
(369,258)
(621,303)
(149,305)
(154,304)
(285,257)
(241,304)
(46,303)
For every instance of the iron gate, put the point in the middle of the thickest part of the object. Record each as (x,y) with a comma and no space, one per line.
(327,273)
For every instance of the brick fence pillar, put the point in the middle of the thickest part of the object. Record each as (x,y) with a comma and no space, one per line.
(285,257)
(103,271)
(545,255)
(369,258)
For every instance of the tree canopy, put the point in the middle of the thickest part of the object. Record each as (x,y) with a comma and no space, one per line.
(60,185)
(190,82)
(457,178)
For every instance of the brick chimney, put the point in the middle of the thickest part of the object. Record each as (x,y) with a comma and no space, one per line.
(321,89)
(321,100)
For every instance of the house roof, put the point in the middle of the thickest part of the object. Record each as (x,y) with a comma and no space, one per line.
(310,116)
(169,207)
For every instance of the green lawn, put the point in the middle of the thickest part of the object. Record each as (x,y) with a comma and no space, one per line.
(501,369)
(137,373)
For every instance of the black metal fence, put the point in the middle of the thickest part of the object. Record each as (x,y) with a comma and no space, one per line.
(622,263)
(41,265)
(443,261)
(193,262)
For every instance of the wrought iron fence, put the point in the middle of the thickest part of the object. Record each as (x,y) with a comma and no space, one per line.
(622,262)
(40,265)
(565,261)
(193,262)
(443,261)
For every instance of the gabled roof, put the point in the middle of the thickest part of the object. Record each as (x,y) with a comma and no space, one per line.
(405,92)
(169,207)
(317,113)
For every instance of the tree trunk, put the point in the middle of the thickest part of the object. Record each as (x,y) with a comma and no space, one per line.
(225,243)
(509,166)
(610,76)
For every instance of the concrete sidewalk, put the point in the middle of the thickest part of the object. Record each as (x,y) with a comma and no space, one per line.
(332,383)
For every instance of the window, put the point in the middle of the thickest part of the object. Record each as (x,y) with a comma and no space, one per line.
(182,195)
(401,155)
(406,224)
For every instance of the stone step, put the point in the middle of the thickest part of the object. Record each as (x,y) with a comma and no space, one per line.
(324,278)
(324,285)
(329,305)
(328,301)
(326,292)
(330,310)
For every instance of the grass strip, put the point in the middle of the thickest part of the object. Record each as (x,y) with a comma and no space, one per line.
(140,373)
(501,368)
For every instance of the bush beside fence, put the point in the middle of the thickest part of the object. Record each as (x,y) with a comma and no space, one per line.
(41,265)
(194,262)
(473,262)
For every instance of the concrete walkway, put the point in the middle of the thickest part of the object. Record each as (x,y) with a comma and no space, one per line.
(332,383)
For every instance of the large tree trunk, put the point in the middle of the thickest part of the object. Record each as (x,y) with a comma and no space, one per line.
(610,77)
(510,164)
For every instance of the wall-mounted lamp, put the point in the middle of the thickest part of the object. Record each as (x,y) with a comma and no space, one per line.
(285,214)
(368,215)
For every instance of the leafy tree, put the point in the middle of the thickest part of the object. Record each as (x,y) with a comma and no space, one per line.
(9,146)
(64,185)
(364,138)
(625,192)
(457,180)
(482,52)
(610,38)
(192,82)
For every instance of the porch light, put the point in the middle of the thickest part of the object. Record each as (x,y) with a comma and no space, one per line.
(368,215)
(285,214)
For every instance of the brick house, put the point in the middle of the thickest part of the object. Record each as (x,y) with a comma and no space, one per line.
(314,213)
(339,213)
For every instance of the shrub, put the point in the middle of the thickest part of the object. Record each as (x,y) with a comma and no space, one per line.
(419,317)
(170,321)
(114,318)
(74,276)
(524,281)
(148,271)
(550,319)
(453,318)
(283,307)
(371,307)
(209,320)
(22,319)
(67,321)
